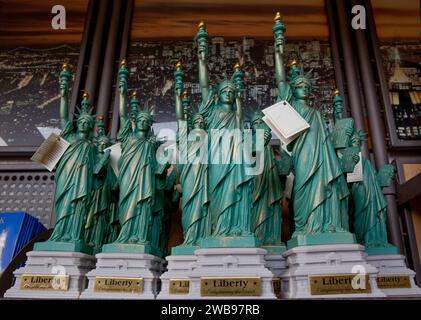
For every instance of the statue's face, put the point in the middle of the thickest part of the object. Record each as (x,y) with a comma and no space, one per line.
(257,124)
(84,125)
(227,95)
(143,124)
(302,91)
(199,124)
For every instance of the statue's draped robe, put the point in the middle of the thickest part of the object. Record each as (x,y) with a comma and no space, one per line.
(73,180)
(267,197)
(369,209)
(162,210)
(100,207)
(229,186)
(320,191)
(113,222)
(195,200)
(137,184)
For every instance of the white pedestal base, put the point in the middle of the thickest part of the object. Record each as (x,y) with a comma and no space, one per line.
(178,267)
(231,263)
(320,260)
(125,265)
(73,264)
(394,265)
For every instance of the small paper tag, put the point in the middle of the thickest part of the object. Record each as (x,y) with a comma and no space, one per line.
(115,154)
(285,121)
(50,151)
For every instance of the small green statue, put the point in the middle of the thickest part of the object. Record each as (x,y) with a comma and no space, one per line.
(193,175)
(320,192)
(73,176)
(369,205)
(268,188)
(137,167)
(229,185)
(104,182)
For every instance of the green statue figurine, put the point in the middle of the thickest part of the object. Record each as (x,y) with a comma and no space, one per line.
(229,185)
(192,174)
(369,206)
(268,188)
(320,193)
(137,166)
(73,177)
(104,182)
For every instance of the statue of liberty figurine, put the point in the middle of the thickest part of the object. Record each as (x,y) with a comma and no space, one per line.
(268,188)
(137,176)
(104,182)
(320,192)
(192,171)
(73,177)
(229,185)
(368,206)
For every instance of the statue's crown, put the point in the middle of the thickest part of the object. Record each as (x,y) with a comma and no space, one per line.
(101,135)
(85,111)
(226,83)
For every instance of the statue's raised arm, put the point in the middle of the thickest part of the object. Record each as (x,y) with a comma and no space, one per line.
(202,52)
(279,43)
(64,95)
(238,79)
(122,86)
(178,90)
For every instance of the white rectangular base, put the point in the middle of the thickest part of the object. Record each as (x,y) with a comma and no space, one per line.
(75,265)
(178,268)
(125,265)
(319,260)
(231,263)
(391,265)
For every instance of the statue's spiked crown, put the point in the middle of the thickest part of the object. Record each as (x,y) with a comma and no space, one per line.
(296,75)
(137,112)
(85,111)
(102,137)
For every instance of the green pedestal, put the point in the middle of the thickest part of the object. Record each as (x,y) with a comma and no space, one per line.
(280,249)
(184,250)
(322,238)
(131,248)
(78,246)
(381,250)
(230,242)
